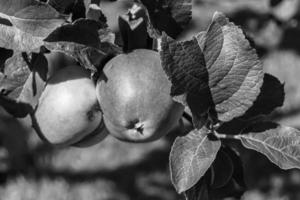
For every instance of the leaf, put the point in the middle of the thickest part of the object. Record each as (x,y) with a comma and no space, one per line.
(133,29)
(94,12)
(38,19)
(82,31)
(4,55)
(190,158)
(22,83)
(238,171)
(184,64)
(170,16)
(17,40)
(17,109)
(270,97)
(235,72)
(81,40)
(217,72)
(231,189)
(222,170)
(10,7)
(274,3)
(281,144)
(15,74)
(36,81)
(198,191)
(61,6)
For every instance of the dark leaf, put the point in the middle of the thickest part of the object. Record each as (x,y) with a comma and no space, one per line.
(238,168)
(184,64)
(216,72)
(198,191)
(270,97)
(62,6)
(94,12)
(221,170)
(16,109)
(36,81)
(231,189)
(190,157)
(82,31)
(274,3)
(79,40)
(168,16)
(133,29)
(280,144)
(88,57)
(4,55)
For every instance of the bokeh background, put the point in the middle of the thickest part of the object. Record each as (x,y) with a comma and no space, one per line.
(114,170)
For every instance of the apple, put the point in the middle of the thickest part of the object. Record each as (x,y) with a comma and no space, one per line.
(68,109)
(134,96)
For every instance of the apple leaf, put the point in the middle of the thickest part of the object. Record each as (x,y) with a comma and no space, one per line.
(170,16)
(280,144)
(22,82)
(82,31)
(36,81)
(94,12)
(133,29)
(61,6)
(16,109)
(15,74)
(29,23)
(79,40)
(274,3)
(198,191)
(221,170)
(10,7)
(218,72)
(38,19)
(190,157)
(17,40)
(231,189)
(238,168)
(270,97)
(4,55)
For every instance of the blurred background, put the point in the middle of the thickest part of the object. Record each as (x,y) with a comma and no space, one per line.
(116,170)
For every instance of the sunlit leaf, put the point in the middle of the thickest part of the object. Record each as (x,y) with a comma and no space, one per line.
(38,19)
(190,158)
(280,144)
(218,71)
(13,38)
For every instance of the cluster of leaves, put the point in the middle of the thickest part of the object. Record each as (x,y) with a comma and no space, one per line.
(219,77)
(216,75)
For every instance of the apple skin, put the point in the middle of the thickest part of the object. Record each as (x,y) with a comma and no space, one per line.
(68,109)
(134,95)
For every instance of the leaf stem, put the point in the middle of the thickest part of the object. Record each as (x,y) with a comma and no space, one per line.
(225,136)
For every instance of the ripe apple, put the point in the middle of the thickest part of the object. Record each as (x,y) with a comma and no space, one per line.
(134,95)
(68,109)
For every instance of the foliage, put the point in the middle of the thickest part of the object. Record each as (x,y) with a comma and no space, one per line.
(216,74)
